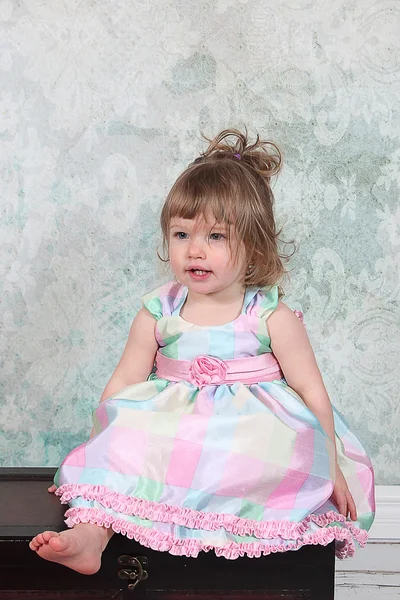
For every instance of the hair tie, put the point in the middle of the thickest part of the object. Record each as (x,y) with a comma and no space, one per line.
(238,156)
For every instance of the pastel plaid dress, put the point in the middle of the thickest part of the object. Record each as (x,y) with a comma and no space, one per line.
(193,459)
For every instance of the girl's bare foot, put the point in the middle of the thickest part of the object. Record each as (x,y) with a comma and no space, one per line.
(79,548)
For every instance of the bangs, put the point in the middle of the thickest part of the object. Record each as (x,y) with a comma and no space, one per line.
(214,193)
(206,192)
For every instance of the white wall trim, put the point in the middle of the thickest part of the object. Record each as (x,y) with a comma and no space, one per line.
(379,561)
(387,520)
(367,586)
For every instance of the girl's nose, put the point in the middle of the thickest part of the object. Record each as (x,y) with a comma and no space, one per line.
(196,248)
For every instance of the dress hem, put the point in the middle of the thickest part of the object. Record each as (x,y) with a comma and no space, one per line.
(165,542)
(190,518)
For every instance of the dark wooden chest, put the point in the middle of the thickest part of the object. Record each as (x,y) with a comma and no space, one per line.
(26,508)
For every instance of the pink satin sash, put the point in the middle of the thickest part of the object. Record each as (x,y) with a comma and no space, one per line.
(208,370)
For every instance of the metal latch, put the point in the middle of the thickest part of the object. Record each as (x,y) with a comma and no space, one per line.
(133,569)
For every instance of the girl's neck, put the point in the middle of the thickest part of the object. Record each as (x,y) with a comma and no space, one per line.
(224,297)
(216,308)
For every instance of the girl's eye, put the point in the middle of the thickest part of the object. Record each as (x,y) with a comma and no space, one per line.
(180,235)
(217,236)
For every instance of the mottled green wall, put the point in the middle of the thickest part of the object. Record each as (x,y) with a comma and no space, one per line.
(101,107)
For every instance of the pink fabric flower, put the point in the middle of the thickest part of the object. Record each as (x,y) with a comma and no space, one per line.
(207,370)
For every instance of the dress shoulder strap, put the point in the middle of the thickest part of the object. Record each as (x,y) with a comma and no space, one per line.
(163,300)
(264,302)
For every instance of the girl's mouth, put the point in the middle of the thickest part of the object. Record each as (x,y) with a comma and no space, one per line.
(199,274)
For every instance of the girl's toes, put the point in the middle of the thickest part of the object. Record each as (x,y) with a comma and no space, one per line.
(39,539)
(49,534)
(58,543)
(33,545)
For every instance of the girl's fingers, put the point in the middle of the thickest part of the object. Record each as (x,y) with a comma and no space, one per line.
(352,507)
(341,502)
(52,489)
(343,498)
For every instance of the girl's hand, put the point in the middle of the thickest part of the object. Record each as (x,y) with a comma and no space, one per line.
(342,497)
(52,489)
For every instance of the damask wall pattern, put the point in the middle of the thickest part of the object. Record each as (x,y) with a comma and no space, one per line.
(101,107)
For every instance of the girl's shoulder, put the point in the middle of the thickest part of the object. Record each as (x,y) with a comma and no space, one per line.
(268,299)
(164,300)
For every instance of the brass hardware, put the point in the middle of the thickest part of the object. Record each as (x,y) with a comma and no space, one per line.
(133,569)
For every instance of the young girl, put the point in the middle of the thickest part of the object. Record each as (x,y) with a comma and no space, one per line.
(215,431)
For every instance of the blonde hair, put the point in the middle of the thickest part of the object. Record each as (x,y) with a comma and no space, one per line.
(232,183)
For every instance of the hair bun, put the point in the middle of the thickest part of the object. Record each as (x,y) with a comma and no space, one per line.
(264,156)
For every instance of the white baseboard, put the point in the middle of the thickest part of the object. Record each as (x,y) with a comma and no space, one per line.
(367,586)
(378,556)
(378,564)
(387,521)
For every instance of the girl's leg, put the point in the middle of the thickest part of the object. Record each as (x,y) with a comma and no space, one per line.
(79,548)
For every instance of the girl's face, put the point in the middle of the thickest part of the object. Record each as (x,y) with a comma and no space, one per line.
(201,258)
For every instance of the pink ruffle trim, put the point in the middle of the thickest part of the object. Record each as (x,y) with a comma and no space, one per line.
(165,542)
(187,517)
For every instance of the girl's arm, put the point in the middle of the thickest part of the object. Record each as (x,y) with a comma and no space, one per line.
(138,356)
(136,362)
(292,348)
